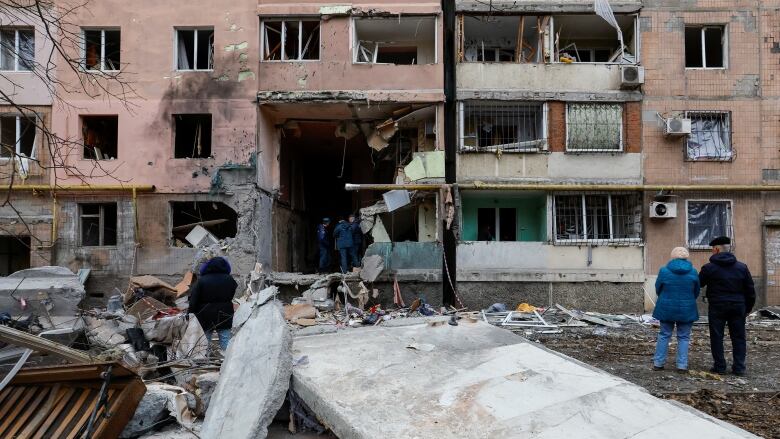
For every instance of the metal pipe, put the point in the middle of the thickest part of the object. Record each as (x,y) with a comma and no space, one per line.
(568,187)
(78,187)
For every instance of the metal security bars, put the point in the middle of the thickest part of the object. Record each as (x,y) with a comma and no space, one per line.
(710,137)
(503,126)
(594,127)
(706,220)
(597,218)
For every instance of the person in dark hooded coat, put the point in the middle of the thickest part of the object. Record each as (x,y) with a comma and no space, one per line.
(211,299)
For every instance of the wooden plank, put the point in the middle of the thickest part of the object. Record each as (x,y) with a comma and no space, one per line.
(519,43)
(99,418)
(54,414)
(23,339)
(28,411)
(86,411)
(55,395)
(8,420)
(121,411)
(8,405)
(4,394)
(77,372)
(71,414)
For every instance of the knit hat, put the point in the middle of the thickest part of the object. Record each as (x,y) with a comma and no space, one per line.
(680,253)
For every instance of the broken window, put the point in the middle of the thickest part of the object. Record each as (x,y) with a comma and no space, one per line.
(195,49)
(705,47)
(592,39)
(597,218)
(216,218)
(17,135)
(498,38)
(497,224)
(706,221)
(504,126)
(14,254)
(710,137)
(100,134)
(290,40)
(192,135)
(101,49)
(398,40)
(98,224)
(17,49)
(594,127)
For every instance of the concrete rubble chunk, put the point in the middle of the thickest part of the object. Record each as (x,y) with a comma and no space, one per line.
(372,267)
(53,293)
(300,311)
(205,385)
(254,378)
(160,402)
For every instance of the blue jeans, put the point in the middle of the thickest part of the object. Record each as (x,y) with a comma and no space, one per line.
(224,337)
(720,315)
(346,258)
(353,254)
(683,340)
(324,259)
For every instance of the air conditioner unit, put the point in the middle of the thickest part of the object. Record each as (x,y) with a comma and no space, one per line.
(663,210)
(677,126)
(631,76)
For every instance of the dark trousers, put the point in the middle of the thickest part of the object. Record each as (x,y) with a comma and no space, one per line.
(324,259)
(733,315)
(346,258)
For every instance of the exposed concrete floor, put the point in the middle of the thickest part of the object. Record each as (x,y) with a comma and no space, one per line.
(475,380)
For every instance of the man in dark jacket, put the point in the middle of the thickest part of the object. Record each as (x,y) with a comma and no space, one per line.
(343,236)
(731,297)
(323,240)
(357,240)
(211,299)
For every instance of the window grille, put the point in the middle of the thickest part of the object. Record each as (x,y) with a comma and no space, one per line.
(710,137)
(594,127)
(503,126)
(597,218)
(706,221)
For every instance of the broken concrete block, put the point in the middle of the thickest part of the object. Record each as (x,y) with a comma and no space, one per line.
(45,291)
(247,398)
(372,267)
(378,232)
(103,333)
(301,311)
(248,305)
(160,402)
(206,384)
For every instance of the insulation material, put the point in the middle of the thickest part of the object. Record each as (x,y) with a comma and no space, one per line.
(378,232)
(415,170)
(396,199)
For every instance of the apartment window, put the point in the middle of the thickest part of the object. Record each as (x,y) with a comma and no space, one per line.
(497,224)
(17,135)
(504,126)
(706,221)
(100,134)
(101,49)
(495,38)
(710,137)
(98,224)
(192,135)
(17,49)
(607,218)
(594,127)
(291,40)
(399,40)
(195,49)
(705,47)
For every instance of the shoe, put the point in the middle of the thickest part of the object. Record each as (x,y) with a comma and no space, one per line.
(657,368)
(682,371)
(717,371)
(740,373)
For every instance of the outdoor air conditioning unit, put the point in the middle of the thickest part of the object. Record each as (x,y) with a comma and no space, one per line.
(677,126)
(663,210)
(631,76)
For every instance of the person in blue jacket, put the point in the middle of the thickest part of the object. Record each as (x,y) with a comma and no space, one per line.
(343,236)
(357,240)
(323,239)
(677,288)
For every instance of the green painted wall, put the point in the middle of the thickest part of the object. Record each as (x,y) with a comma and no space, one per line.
(531,214)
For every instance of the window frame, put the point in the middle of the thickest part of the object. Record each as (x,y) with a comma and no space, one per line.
(724,48)
(300,20)
(101,224)
(197,30)
(727,113)
(18,136)
(729,231)
(611,241)
(354,41)
(497,225)
(16,52)
(543,108)
(102,30)
(174,122)
(622,145)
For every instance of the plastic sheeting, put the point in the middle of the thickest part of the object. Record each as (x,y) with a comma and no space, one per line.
(708,220)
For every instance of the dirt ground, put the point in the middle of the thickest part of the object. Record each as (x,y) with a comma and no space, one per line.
(751,402)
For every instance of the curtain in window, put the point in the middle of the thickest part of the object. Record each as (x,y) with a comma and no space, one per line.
(184,60)
(706,221)
(594,126)
(26,49)
(709,137)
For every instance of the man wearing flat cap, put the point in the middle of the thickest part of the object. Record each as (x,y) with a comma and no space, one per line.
(731,297)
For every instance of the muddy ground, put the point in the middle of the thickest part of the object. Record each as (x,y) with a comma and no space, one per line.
(751,402)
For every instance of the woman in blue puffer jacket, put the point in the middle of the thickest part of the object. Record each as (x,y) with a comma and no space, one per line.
(677,288)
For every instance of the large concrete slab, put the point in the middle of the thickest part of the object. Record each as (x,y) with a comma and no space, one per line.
(476,381)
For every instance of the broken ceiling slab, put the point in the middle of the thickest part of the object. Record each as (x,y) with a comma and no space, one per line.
(425,165)
(52,293)
(476,381)
(541,6)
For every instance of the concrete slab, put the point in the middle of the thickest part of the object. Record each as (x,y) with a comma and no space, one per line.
(52,293)
(476,381)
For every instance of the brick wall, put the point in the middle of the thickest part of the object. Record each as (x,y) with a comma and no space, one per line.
(556,117)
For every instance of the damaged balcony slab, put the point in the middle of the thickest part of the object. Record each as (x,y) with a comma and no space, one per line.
(475,380)
(541,6)
(541,95)
(367,96)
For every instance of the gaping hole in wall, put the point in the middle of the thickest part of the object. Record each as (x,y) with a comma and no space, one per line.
(705,46)
(100,135)
(98,224)
(192,135)
(14,254)
(504,217)
(217,218)
(494,38)
(290,40)
(504,126)
(590,39)
(194,49)
(398,40)
(17,136)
